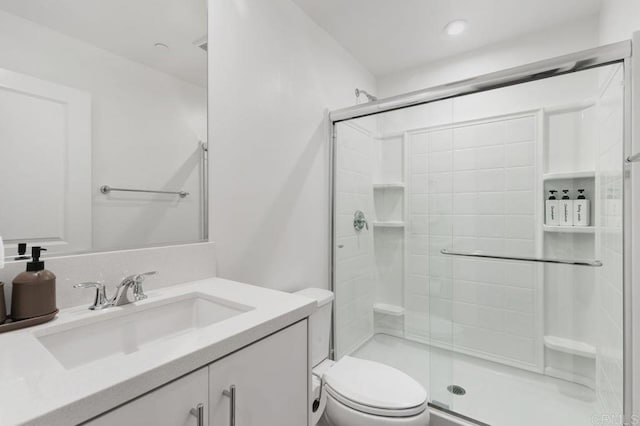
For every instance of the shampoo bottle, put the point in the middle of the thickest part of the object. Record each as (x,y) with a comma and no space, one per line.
(566,209)
(581,210)
(551,217)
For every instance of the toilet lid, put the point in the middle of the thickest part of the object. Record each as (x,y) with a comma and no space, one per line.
(375,388)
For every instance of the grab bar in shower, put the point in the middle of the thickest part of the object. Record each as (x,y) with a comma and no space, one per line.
(633,158)
(476,254)
(105,189)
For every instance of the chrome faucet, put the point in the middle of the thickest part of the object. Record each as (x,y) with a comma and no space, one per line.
(133,282)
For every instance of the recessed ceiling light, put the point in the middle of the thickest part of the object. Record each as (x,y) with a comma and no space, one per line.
(161,46)
(456,27)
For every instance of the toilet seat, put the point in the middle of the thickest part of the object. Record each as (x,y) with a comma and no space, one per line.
(374,388)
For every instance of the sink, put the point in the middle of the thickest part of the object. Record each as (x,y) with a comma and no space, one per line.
(137,327)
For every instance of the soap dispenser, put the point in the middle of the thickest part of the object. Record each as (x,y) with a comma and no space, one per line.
(566,209)
(551,217)
(581,210)
(22,250)
(34,291)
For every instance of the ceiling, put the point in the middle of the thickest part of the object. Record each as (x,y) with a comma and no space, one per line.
(391,35)
(130,28)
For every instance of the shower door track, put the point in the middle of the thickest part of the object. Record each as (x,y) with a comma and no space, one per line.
(620,52)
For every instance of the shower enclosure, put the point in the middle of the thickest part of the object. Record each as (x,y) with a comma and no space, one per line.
(445,264)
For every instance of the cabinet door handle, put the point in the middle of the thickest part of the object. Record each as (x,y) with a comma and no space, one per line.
(198,413)
(231,393)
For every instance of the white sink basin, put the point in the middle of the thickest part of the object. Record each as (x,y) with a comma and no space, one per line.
(138,327)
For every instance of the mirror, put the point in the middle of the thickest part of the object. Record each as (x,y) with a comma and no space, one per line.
(103,123)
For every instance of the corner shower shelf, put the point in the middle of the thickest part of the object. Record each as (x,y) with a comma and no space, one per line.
(584,174)
(392,224)
(398,185)
(569,346)
(388,309)
(570,229)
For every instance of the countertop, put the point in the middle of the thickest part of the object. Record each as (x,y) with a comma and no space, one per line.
(35,389)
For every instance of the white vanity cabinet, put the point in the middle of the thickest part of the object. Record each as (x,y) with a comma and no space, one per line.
(269,378)
(169,405)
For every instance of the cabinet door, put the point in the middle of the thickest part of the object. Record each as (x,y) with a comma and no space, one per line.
(169,405)
(270,379)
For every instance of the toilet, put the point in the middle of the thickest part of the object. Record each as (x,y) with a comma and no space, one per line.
(357,392)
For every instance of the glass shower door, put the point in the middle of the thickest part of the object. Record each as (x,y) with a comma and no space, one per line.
(527,334)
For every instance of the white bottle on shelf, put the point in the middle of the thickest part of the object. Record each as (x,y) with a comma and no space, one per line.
(566,209)
(581,210)
(552,205)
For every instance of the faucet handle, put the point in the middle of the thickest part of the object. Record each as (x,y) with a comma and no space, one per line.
(140,277)
(138,291)
(136,278)
(100,301)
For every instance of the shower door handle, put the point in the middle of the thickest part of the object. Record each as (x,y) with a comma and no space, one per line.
(480,255)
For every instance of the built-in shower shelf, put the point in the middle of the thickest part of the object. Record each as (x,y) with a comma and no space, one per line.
(569,346)
(570,229)
(396,185)
(583,174)
(388,309)
(390,224)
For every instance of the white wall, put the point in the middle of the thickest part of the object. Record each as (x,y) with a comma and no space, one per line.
(556,41)
(274,73)
(618,20)
(145,131)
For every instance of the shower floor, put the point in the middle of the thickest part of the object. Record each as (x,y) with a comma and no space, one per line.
(495,394)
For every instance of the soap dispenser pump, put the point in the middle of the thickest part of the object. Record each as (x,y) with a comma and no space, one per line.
(34,291)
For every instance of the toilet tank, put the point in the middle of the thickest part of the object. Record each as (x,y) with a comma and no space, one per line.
(319,323)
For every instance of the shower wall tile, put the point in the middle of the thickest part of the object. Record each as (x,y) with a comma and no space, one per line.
(491,203)
(490,180)
(519,154)
(519,178)
(489,158)
(519,202)
(521,129)
(441,161)
(419,163)
(480,181)
(464,181)
(391,159)
(440,140)
(465,203)
(464,159)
